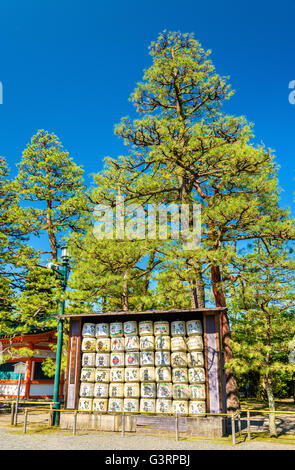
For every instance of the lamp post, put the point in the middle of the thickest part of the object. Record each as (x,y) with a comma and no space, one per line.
(62,274)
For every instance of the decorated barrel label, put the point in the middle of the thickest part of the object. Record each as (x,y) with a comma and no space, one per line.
(147,358)
(196,375)
(178,343)
(103,359)
(117,374)
(180,406)
(85,404)
(100,404)
(131,390)
(179,359)
(145,328)
(117,359)
(115,405)
(195,343)
(163,374)
(148,389)
(147,343)
(88,359)
(163,405)
(164,390)
(147,374)
(116,329)
(197,407)
(147,405)
(194,327)
(88,345)
(197,392)
(116,390)
(102,375)
(132,359)
(179,375)
(162,358)
(131,404)
(103,345)
(161,328)
(88,374)
(101,390)
(180,391)
(132,343)
(86,389)
(178,328)
(130,328)
(88,330)
(132,374)
(102,330)
(162,343)
(195,359)
(117,344)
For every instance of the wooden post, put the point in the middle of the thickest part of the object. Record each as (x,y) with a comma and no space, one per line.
(239,423)
(233,428)
(75,423)
(50,416)
(123,424)
(25,420)
(17,397)
(12,413)
(248,425)
(176,427)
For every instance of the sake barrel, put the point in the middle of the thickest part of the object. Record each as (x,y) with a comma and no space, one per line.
(117,359)
(130,328)
(163,405)
(100,404)
(102,330)
(162,358)
(103,345)
(117,374)
(147,405)
(178,343)
(87,374)
(131,404)
(85,404)
(195,359)
(194,327)
(88,359)
(180,391)
(179,375)
(161,328)
(115,405)
(88,330)
(131,390)
(162,343)
(146,328)
(197,407)
(117,344)
(180,407)
(132,359)
(178,328)
(148,389)
(147,374)
(196,375)
(86,389)
(164,390)
(179,359)
(195,343)
(101,390)
(147,343)
(163,374)
(147,358)
(132,374)
(197,392)
(88,345)
(116,390)
(132,343)
(116,329)
(103,360)
(102,375)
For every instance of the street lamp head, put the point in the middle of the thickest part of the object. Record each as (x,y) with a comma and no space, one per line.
(65,253)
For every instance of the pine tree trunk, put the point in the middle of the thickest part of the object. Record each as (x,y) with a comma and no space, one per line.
(271,405)
(125,303)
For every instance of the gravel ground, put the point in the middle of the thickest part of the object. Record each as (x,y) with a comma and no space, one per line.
(92,441)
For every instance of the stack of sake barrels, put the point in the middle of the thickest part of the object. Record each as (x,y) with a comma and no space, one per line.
(130,366)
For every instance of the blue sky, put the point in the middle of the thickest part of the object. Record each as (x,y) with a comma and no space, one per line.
(69,67)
